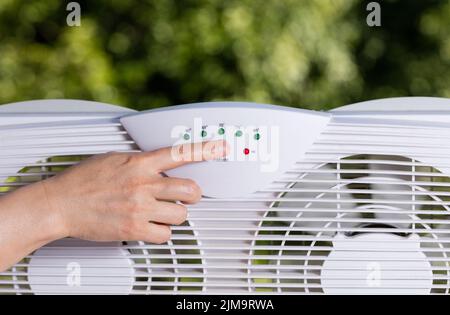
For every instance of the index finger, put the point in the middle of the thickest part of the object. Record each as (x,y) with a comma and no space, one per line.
(175,156)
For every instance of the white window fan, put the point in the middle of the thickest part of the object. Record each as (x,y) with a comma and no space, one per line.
(355,201)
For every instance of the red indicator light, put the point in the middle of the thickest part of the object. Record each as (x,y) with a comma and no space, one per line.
(246,151)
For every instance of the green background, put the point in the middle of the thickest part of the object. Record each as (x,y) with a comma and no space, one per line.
(143,54)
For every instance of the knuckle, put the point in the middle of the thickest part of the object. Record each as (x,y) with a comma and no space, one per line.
(159,186)
(193,190)
(128,228)
(134,191)
(162,236)
(132,182)
(181,215)
(133,205)
(134,160)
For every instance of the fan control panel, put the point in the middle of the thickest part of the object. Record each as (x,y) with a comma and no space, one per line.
(243,140)
(264,141)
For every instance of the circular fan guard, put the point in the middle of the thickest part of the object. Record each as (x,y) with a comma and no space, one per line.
(307,243)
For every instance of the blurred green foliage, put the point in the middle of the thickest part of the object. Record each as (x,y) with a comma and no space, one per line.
(143,54)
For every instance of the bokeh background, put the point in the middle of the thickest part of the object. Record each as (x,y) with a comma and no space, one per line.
(143,54)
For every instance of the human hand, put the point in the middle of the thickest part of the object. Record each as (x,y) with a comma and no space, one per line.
(121,196)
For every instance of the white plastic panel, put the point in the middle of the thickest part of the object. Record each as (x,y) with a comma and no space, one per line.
(363,192)
(265,141)
(79,270)
(62,106)
(431,109)
(403,269)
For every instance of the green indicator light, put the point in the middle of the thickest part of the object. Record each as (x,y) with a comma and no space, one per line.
(238,133)
(221,131)
(257,136)
(204,133)
(186,136)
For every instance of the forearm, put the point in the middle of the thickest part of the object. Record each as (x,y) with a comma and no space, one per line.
(26,223)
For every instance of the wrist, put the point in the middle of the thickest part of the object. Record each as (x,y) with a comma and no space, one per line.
(27,223)
(51,210)
(44,223)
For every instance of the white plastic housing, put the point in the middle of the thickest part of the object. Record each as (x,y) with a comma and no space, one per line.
(285,135)
(359,200)
(82,269)
(387,266)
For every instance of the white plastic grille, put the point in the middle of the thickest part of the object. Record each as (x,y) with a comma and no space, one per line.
(278,240)
(356,195)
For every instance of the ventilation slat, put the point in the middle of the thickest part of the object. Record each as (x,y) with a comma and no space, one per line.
(66,125)
(235,275)
(397,125)
(280,258)
(195,210)
(44,155)
(387,143)
(251,285)
(422,134)
(243,266)
(300,220)
(286,247)
(355,151)
(223,292)
(39,164)
(367,171)
(333,200)
(367,162)
(65,134)
(359,191)
(67,145)
(365,180)
(232,237)
(319,229)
